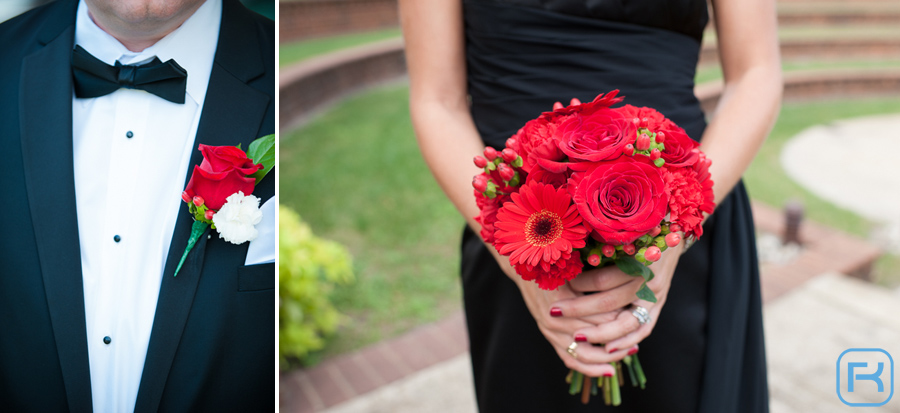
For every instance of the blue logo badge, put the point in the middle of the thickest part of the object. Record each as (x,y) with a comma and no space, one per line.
(865,377)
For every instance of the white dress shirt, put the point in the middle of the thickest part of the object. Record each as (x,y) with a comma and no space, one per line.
(132,151)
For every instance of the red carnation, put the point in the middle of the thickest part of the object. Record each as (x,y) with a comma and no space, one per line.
(688,199)
(599,136)
(620,200)
(539,226)
(537,140)
(556,276)
(488,214)
(647,118)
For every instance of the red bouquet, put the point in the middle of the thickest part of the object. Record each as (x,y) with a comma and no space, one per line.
(588,184)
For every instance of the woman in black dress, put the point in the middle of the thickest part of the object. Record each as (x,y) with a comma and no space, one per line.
(479,69)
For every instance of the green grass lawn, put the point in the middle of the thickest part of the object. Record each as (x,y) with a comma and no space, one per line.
(714,72)
(356,175)
(296,51)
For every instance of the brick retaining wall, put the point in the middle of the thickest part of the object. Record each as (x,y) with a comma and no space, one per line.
(303,19)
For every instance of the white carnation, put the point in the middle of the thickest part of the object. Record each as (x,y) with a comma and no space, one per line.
(236,219)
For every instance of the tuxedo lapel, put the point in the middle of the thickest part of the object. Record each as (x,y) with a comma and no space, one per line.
(233,113)
(45,99)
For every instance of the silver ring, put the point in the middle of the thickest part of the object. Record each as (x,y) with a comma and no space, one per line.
(571,350)
(641,314)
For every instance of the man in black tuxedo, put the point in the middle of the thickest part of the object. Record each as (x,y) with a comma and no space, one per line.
(210,344)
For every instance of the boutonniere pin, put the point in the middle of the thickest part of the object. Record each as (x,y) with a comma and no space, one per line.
(219,193)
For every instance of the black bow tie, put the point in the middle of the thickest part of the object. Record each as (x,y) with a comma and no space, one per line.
(93,78)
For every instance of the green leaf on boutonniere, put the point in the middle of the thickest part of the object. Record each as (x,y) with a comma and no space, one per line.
(262,151)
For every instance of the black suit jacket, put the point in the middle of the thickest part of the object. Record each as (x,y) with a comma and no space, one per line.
(212,346)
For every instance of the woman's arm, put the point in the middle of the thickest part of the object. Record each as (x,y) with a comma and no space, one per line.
(751,64)
(448,139)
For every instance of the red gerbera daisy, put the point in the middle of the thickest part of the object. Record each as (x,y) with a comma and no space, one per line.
(539,226)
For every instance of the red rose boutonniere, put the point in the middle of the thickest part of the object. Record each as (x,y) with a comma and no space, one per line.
(219,193)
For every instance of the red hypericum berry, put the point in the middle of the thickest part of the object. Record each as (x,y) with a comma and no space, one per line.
(557,105)
(608,251)
(653,253)
(672,239)
(185,197)
(509,155)
(511,143)
(660,137)
(480,182)
(636,121)
(629,149)
(197,200)
(506,172)
(574,102)
(675,228)
(628,249)
(594,259)
(480,161)
(643,142)
(655,154)
(490,153)
(209,214)
(655,231)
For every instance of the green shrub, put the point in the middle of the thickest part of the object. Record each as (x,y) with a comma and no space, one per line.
(309,269)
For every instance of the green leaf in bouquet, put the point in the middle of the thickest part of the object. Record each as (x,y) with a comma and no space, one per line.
(646,294)
(262,151)
(631,266)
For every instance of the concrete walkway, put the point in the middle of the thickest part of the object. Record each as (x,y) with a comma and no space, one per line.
(853,164)
(806,330)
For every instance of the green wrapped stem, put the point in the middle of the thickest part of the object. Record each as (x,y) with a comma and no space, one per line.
(197,230)
(616,394)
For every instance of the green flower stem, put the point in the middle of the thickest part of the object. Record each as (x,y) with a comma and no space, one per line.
(640,372)
(631,373)
(616,394)
(594,383)
(197,229)
(607,391)
(575,387)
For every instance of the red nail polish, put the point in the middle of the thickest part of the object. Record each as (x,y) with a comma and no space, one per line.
(580,337)
(607,374)
(632,351)
(612,350)
(555,312)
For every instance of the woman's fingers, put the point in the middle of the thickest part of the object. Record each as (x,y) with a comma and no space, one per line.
(599,303)
(639,334)
(581,356)
(624,324)
(599,279)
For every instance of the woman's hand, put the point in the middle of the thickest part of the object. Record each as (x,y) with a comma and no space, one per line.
(559,329)
(616,290)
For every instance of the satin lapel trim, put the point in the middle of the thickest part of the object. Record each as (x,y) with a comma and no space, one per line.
(45,99)
(232,114)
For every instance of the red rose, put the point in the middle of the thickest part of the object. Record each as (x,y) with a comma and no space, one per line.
(620,200)
(646,118)
(680,149)
(226,158)
(597,137)
(223,172)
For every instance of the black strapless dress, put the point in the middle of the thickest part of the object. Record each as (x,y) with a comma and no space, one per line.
(706,352)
